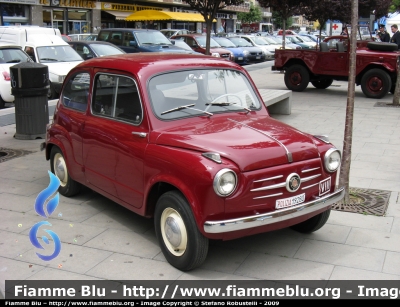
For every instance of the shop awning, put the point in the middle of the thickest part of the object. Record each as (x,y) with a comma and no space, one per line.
(151,15)
(119,15)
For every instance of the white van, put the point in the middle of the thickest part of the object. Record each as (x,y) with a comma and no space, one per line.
(45,46)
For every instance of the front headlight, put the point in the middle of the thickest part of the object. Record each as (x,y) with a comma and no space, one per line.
(332,160)
(61,79)
(225,182)
(216,54)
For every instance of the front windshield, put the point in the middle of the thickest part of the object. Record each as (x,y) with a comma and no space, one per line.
(271,41)
(224,42)
(103,50)
(240,42)
(13,55)
(168,33)
(201,92)
(152,38)
(259,40)
(201,40)
(53,54)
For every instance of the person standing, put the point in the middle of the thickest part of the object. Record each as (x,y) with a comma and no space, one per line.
(383,35)
(396,35)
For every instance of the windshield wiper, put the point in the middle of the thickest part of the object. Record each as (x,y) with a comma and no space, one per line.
(188,106)
(49,59)
(14,61)
(225,103)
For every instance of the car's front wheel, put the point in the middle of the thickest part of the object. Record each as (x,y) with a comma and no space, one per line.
(68,186)
(297,78)
(181,242)
(376,83)
(313,224)
(2,103)
(51,94)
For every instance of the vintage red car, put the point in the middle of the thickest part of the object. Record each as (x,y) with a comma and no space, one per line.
(187,140)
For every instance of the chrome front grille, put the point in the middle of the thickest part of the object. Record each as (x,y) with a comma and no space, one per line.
(274,186)
(225,55)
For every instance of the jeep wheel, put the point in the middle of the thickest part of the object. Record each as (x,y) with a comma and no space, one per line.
(297,78)
(380,46)
(181,242)
(2,103)
(312,224)
(322,83)
(376,83)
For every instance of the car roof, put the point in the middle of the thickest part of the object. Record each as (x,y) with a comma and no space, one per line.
(129,29)
(5,45)
(146,64)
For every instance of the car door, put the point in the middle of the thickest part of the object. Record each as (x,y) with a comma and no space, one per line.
(115,138)
(333,62)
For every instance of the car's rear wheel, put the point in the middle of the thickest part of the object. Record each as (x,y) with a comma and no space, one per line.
(376,83)
(68,186)
(297,78)
(2,103)
(51,94)
(181,242)
(313,224)
(322,83)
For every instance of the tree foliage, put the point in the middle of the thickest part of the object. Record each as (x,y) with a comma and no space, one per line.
(208,9)
(254,15)
(278,21)
(286,9)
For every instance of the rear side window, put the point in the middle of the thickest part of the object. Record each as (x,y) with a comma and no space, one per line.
(103,36)
(76,91)
(117,97)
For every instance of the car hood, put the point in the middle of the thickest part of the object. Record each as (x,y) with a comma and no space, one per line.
(235,51)
(252,143)
(61,68)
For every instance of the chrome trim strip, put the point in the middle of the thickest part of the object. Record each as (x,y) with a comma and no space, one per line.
(271,178)
(273,217)
(310,170)
(310,186)
(309,178)
(288,153)
(274,186)
(272,195)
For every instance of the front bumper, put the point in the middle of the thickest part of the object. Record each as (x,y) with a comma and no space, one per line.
(273,217)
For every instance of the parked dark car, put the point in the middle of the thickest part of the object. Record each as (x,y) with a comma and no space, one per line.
(93,49)
(198,43)
(139,40)
(238,55)
(255,54)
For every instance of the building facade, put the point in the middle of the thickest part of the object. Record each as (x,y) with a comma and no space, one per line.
(89,16)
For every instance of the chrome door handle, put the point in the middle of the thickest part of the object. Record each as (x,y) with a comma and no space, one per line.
(140,134)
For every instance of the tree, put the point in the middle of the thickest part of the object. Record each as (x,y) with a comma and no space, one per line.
(344,177)
(254,15)
(278,21)
(286,9)
(208,9)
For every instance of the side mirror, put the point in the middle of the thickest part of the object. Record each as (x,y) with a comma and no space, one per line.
(173,42)
(133,44)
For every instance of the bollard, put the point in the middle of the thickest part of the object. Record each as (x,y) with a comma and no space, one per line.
(30,85)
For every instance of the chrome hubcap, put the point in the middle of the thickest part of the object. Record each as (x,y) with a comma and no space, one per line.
(173,231)
(60,169)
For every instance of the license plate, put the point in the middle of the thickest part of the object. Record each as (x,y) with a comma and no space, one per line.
(240,58)
(258,57)
(291,201)
(324,186)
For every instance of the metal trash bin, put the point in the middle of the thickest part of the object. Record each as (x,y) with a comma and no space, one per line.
(30,85)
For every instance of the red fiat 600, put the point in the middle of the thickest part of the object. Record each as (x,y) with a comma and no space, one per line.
(187,140)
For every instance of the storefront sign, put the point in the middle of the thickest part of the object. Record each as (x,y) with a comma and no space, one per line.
(20,1)
(69,3)
(126,7)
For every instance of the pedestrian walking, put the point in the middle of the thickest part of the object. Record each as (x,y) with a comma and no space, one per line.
(396,35)
(383,35)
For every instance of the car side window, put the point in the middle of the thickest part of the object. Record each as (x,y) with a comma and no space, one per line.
(128,37)
(117,97)
(76,91)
